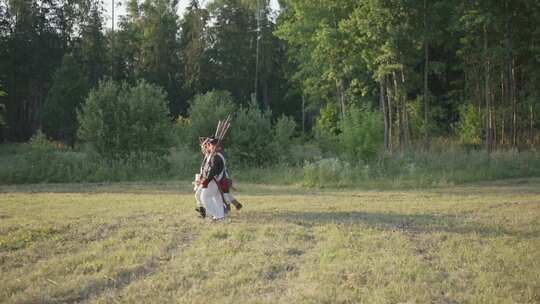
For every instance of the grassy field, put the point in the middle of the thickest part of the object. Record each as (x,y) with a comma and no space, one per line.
(142,243)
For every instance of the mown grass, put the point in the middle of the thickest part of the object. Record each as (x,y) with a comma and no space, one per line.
(141,243)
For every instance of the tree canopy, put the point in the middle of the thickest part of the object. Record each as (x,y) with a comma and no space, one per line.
(462,69)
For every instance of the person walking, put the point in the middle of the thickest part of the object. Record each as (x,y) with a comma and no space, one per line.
(209,198)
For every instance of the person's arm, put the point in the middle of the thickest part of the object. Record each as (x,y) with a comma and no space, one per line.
(216,168)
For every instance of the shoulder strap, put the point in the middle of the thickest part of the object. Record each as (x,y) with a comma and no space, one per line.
(224,172)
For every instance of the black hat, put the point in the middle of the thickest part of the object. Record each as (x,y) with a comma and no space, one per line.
(208,140)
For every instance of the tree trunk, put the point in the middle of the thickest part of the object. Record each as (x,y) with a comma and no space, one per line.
(478,94)
(502,132)
(112,40)
(35,103)
(426,67)
(493,114)
(486,89)
(514,104)
(341,96)
(399,112)
(384,111)
(390,114)
(503,98)
(531,125)
(303,114)
(406,128)
(265,95)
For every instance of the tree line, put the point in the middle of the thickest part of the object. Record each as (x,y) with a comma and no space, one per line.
(458,68)
(54,52)
(432,68)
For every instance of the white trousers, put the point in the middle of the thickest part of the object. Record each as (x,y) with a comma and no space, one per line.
(228,197)
(211,200)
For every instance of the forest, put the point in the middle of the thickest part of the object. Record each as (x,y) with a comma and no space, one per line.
(347,82)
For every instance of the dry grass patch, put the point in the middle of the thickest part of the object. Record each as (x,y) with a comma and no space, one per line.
(142,243)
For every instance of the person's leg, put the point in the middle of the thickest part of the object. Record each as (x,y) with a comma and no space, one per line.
(200,207)
(211,198)
(227,203)
(198,197)
(230,199)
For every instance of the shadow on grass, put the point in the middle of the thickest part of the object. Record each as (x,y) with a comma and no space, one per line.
(412,223)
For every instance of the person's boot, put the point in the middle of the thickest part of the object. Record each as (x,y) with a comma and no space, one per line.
(237,204)
(201,211)
(227,207)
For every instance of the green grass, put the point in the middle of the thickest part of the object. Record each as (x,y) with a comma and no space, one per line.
(45,162)
(141,243)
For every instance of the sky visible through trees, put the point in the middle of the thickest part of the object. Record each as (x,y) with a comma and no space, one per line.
(182,5)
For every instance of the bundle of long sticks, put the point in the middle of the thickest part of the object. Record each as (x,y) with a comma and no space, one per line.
(222,128)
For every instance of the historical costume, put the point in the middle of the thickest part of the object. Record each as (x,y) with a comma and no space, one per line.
(212,184)
(225,185)
(208,195)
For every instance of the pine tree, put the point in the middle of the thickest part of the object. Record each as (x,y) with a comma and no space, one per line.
(32,49)
(233,45)
(193,46)
(148,47)
(68,91)
(93,48)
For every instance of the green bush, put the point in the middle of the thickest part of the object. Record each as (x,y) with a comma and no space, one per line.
(43,161)
(121,122)
(251,136)
(361,136)
(204,113)
(280,174)
(40,157)
(183,132)
(470,124)
(300,153)
(183,162)
(419,169)
(251,139)
(326,129)
(358,136)
(149,124)
(328,172)
(283,138)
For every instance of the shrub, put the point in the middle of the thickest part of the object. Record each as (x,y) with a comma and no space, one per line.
(205,110)
(361,135)
(299,153)
(283,138)
(251,136)
(326,129)
(183,162)
(183,132)
(252,139)
(120,122)
(328,172)
(40,157)
(149,126)
(470,124)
